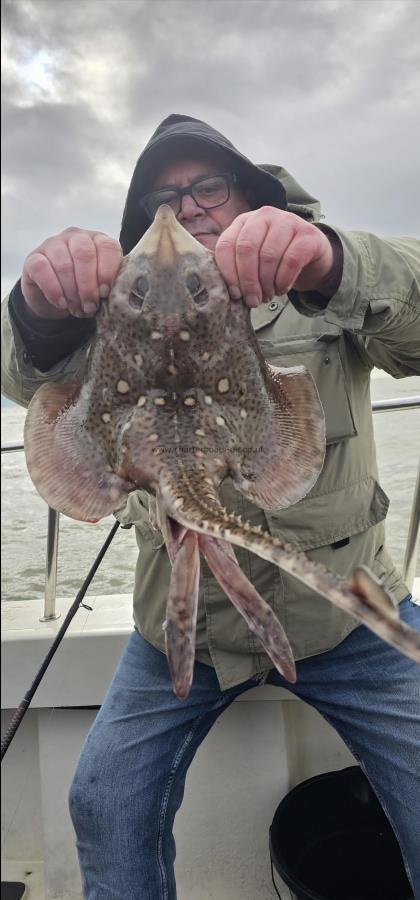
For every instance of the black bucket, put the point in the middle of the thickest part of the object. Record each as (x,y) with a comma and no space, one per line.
(331,840)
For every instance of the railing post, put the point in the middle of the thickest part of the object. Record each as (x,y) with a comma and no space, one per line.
(51,567)
(413,538)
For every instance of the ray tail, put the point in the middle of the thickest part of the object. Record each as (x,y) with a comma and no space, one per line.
(362,596)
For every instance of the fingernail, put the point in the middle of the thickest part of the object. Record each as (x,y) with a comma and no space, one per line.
(103,291)
(235,292)
(252,300)
(90,309)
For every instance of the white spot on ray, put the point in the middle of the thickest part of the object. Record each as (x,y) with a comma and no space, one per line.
(184,335)
(208,400)
(141,401)
(223,385)
(106,417)
(156,336)
(123,387)
(220,420)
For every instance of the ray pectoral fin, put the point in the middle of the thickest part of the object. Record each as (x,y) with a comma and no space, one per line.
(68,468)
(258,615)
(290,443)
(181,614)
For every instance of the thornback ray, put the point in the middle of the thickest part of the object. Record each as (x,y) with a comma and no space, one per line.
(176,398)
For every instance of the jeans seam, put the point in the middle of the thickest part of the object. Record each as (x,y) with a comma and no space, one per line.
(164,805)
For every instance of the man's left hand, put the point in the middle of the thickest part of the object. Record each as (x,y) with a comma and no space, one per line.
(268,251)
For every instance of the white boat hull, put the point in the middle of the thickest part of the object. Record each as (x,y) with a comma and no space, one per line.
(266,741)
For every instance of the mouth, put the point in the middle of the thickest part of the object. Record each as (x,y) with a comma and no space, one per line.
(203,234)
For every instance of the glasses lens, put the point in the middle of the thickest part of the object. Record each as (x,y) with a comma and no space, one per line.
(152,201)
(210,192)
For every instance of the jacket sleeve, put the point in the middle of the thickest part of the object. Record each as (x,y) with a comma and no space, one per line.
(378,300)
(20,377)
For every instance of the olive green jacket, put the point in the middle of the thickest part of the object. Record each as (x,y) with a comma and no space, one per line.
(373,319)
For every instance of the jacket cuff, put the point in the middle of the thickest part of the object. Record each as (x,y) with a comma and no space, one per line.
(47,341)
(313,303)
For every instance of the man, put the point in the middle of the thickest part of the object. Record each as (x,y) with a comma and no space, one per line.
(354,303)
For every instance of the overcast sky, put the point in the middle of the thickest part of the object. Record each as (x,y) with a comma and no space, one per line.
(328,88)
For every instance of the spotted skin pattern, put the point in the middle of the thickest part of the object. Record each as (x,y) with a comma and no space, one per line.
(177,397)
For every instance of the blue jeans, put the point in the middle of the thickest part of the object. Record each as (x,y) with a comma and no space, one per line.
(130,778)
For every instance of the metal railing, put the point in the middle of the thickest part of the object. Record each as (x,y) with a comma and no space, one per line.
(411,547)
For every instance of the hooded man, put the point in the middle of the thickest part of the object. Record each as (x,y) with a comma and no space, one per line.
(354,304)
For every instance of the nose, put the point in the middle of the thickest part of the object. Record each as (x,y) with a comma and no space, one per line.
(189,209)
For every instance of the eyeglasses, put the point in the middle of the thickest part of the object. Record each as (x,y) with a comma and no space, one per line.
(208,192)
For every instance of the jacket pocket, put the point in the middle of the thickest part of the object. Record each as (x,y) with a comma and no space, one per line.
(321,357)
(330,518)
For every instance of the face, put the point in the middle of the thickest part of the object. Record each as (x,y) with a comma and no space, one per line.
(206,225)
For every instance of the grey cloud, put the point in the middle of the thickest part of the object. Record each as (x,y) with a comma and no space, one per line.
(327,88)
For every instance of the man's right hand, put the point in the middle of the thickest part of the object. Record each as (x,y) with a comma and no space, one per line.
(70,273)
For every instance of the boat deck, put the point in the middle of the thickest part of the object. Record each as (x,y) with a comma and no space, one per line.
(267,740)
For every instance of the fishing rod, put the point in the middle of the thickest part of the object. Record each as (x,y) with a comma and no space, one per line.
(77,603)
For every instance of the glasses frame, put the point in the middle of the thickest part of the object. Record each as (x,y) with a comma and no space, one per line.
(229,177)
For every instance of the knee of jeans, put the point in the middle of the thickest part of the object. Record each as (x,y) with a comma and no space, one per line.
(99,793)
(85,795)
(88,801)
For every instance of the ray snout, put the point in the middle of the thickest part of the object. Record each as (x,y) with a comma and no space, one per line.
(166,238)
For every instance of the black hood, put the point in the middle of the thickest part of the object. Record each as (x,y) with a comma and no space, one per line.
(174,134)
